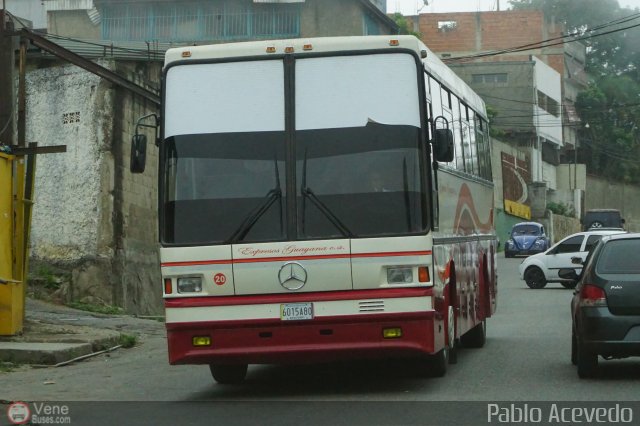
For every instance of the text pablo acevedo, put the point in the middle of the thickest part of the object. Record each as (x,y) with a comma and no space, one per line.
(557,413)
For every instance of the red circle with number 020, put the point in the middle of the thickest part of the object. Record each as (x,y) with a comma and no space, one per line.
(219,279)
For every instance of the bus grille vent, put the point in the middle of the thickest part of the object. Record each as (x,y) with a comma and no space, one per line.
(372,306)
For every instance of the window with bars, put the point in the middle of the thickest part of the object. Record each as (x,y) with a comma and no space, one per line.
(220,20)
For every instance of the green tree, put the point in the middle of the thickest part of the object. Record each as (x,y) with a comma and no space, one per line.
(611,142)
(405,26)
(615,52)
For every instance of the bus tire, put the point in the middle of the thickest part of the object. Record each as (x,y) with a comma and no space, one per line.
(451,335)
(476,337)
(228,374)
(439,363)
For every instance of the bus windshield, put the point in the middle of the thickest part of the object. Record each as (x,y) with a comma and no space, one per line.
(366,179)
(347,164)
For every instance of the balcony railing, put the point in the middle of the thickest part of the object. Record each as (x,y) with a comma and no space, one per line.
(184,25)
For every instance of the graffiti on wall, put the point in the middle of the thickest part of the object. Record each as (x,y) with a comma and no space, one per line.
(516,176)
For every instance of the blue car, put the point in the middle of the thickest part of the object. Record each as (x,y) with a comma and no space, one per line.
(526,238)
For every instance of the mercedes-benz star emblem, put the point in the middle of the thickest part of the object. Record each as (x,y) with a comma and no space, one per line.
(292,276)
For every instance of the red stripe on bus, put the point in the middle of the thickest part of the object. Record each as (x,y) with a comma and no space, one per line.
(285,258)
(197,262)
(282,258)
(258,299)
(392,254)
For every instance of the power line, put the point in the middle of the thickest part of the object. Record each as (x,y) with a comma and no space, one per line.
(547,42)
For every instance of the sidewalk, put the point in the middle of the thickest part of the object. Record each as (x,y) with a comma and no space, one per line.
(55,335)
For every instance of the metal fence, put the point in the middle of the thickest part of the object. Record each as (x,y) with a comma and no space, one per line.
(197,22)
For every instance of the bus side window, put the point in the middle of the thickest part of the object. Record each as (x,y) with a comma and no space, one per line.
(428,102)
(462,155)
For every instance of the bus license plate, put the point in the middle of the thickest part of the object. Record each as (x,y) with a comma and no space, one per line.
(296,311)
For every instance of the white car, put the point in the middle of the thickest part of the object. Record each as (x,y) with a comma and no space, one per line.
(542,268)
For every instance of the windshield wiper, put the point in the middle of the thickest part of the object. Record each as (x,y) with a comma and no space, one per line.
(252,219)
(307,192)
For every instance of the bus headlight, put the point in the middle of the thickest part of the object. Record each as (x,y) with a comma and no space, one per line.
(400,275)
(189,285)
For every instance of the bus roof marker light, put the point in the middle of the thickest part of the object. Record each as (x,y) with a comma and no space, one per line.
(271,49)
(394,42)
(423,54)
(186,54)
(289,49)
(307,47)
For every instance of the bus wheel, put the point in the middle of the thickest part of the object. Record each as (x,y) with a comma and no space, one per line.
(439,363)
(228,374)
(451,336)
(476,337)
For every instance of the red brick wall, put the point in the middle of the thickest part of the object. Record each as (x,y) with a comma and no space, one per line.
(488,31)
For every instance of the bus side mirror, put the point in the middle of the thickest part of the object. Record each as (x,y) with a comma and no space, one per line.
(443,145)
(138,153)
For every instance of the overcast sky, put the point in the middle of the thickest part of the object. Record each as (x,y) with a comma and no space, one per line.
(409,7)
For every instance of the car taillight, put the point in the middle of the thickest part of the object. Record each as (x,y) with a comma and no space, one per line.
(591,295)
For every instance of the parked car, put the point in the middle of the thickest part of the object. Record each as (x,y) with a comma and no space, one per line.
(526,238)
(542,268)
(602,218)
(605,308)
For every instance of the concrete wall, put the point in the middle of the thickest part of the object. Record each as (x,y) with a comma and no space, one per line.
(513,100)
(33,10)
(66,105)
(135,224)
(73,193)
(322,18)
(570,176)
(549,175)
(602,194)
(91,217)
(73,23)
(563,226)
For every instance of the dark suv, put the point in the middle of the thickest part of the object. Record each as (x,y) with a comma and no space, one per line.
(602,218)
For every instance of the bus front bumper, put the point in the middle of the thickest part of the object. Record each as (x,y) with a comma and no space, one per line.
(318,340)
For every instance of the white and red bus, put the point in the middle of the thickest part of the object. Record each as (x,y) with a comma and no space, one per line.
(322,199)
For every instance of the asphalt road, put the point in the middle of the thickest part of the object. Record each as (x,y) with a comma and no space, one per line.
(526,358)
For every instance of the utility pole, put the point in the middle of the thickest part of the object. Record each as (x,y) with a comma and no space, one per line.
(7,93)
